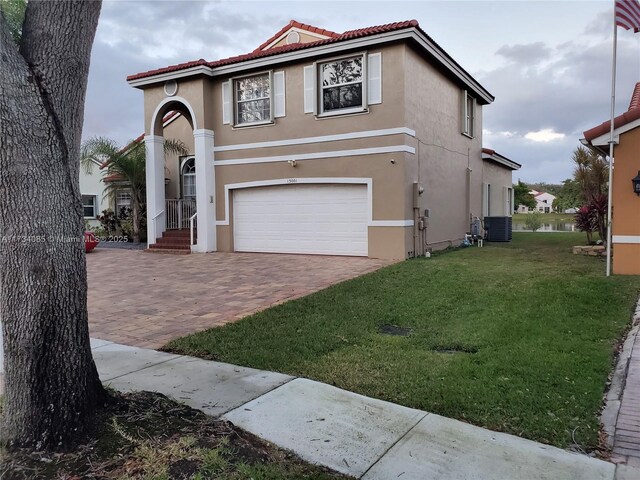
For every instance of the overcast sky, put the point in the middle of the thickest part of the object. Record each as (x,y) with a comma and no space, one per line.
(547,63)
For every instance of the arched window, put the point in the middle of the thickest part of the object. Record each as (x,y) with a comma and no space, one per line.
(189,178)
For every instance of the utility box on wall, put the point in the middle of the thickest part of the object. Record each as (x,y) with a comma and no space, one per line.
(418,191)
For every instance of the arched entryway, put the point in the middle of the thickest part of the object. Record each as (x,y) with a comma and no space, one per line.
(197,169)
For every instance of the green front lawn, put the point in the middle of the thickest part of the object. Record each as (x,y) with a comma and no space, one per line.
(514,337)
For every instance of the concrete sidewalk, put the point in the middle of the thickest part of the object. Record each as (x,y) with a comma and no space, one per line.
(356,435)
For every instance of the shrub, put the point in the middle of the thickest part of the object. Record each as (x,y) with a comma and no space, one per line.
(108,221)
(587,221)
(533,221)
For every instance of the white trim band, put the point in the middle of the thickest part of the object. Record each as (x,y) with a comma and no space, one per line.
(391,223)
(323,138)
(318,155)
(626,239)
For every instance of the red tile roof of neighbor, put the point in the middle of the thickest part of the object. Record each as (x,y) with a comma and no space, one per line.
(627,117)
(165,119)
(259,53)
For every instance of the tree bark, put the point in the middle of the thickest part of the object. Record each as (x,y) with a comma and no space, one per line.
(51,384)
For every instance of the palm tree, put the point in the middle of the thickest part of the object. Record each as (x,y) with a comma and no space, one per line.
(125,167)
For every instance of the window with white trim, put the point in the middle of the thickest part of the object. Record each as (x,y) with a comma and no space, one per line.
(341,85)
(252,99)
(344,85)
(123,200)
(468,115)
(189,178)
(89,206)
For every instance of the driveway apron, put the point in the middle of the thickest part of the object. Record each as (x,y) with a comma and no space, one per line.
(145,300)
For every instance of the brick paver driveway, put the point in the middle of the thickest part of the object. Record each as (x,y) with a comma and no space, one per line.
(145,300)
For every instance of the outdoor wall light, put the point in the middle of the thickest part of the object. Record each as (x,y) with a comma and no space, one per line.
(636,183)
(293,163)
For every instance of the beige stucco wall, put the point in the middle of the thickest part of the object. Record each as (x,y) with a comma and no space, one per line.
(626,204)
(445,158)
(500,178)
(443,161)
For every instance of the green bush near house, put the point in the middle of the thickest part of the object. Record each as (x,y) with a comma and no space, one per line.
(515,337)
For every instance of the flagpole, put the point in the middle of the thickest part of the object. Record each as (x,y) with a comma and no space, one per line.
(613,103)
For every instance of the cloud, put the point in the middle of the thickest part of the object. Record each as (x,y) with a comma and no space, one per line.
(527,54)
(548,95)
(545,135)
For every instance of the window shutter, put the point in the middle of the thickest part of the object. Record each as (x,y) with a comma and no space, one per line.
(226,102)
(278,89)
(472,121)
(485,200)
(463,113)
(309,89)
(374,80)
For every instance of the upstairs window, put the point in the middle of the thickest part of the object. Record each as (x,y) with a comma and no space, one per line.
(341,85)
(252,97)
(468,115)
(253,100)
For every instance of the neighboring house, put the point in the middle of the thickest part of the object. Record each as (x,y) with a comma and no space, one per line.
(93,183)
(94,198)
(92,190)
(361,143)
(544,203)
(625,203)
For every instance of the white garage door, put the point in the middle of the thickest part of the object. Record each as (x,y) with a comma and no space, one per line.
(320,219)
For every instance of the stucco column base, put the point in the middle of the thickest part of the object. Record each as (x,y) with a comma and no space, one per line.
(155,186)
(205,191)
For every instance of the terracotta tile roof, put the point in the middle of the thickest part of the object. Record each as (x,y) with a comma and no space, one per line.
(301,26)
(348,35)
(488,151)
(635,98)
(116,177)
(627,117)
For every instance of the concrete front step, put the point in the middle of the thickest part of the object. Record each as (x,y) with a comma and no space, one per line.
(171,246)
(179,233)
(173,241)
(168,251)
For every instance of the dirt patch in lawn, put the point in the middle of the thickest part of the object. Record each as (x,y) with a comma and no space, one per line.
(145,435)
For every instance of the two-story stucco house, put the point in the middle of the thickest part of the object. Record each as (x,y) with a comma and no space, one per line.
(364,143)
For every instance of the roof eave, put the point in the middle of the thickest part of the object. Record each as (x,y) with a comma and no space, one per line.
(503,161)
(411,33)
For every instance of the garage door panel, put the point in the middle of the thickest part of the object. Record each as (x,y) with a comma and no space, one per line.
(321,219)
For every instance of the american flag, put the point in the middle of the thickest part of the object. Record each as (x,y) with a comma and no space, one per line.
(628,14)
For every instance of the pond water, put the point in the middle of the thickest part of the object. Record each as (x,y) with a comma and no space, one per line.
(546,227)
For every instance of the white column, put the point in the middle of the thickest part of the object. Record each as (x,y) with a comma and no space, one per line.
(155,186)
(205,191)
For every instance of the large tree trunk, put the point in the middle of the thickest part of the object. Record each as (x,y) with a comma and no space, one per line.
(51,384)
